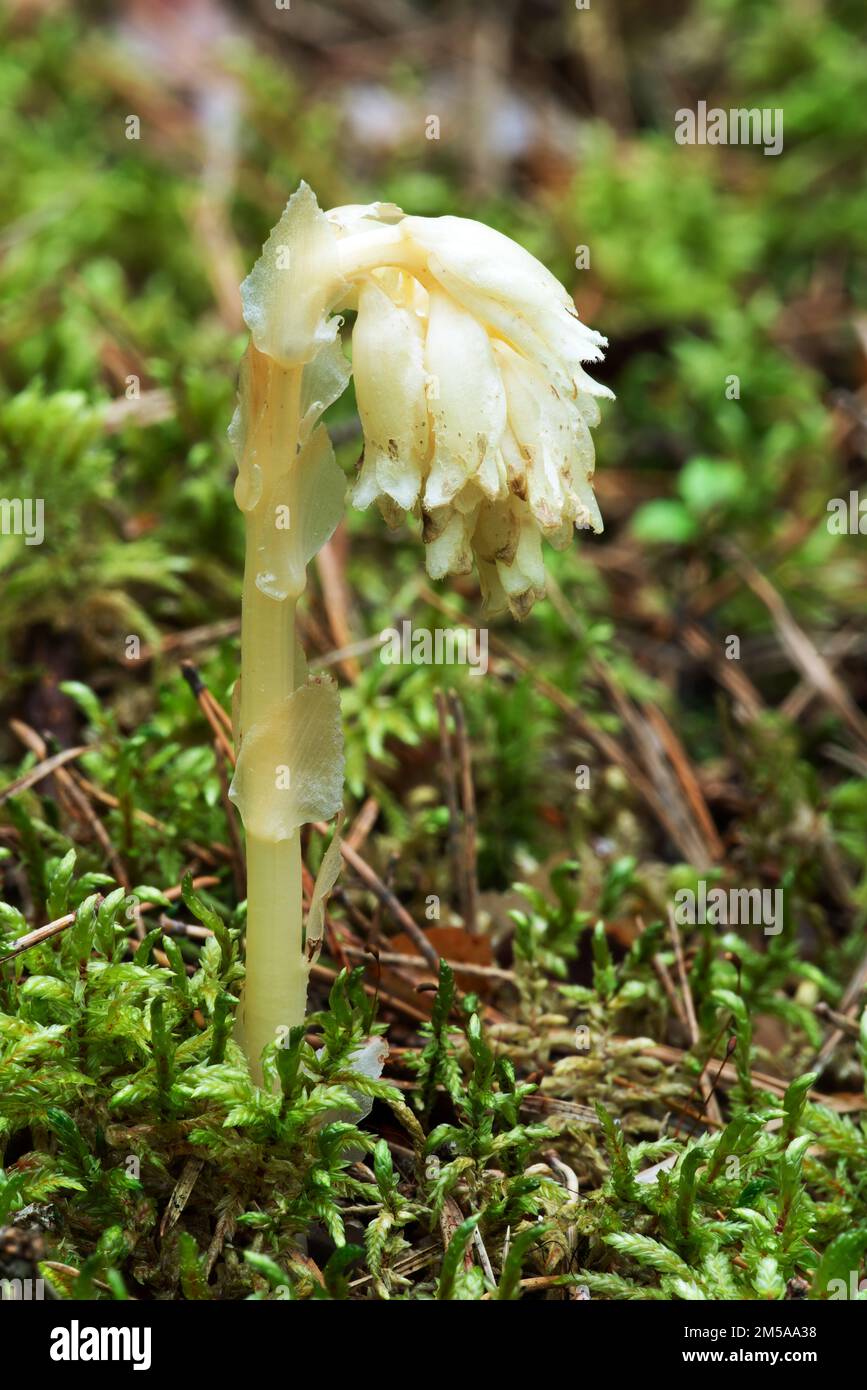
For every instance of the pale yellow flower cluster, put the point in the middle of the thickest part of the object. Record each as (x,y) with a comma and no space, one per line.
(468,361)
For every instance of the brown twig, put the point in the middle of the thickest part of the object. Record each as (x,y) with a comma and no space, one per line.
(76,799)
(371,880)
(469,877)
(363,824)
(60,924)
(42,769)
(239,867)
(324,972)
(484,972)
(687,777)
(450,786)
(666,981)
(707,1092)
(681,832)
(728,673)
(802,652)
(849,1005)
(206,705)
(331,568)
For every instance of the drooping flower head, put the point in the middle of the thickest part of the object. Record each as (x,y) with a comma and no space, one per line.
(468,357)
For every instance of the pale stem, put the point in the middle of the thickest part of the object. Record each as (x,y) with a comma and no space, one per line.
(275,989)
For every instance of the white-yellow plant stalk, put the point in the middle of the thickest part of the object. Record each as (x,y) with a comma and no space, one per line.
(476,410)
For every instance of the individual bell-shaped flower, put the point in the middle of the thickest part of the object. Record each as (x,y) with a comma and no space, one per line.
(513,294)
(388,364)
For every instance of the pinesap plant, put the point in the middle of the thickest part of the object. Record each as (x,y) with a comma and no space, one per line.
(468,357)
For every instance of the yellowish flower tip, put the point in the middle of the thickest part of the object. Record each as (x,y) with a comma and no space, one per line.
(468,361)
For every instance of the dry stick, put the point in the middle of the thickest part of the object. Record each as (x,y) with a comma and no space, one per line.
(607,746)
(201,693)
(484,972)
(468,797)
(428,1250)
(804,692)
(239,869)
(727,584)
(802,652)
(657,768)
(762,1081)
(849,1005)
(537,1281)
(745,693)
(204,636)
(707,1092)
(77,799)
(704,1113)
(221,726)
(106,798)
(698,851)
(451,794)
(149,408)
(42,769)
(335,596)
(482,1253)
(845,758)
(847,1025)
(338,655)
(223,716)
(363,823)
(224,1229)
(683,767)
(40,934)
(666,981)
(323,972)
(728,673)
(372,881)
(181,1194)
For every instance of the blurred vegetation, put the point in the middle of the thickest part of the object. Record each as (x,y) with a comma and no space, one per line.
(120,337)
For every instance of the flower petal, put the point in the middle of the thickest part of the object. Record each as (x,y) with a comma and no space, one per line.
(388,364)
(503,285)
(466,400)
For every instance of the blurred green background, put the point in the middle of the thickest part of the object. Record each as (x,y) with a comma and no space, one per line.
(149,147)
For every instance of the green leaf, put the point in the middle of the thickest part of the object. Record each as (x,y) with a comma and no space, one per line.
(177,965)
(509,1286)
(686,1187)
(81,935)
(664,522)
(705,483)
(58,886)
(12,922)
(454,1256)
(270,1270)
(336,1270)
(210,918)
(840,1261)
(793,1104)
(192,1268)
